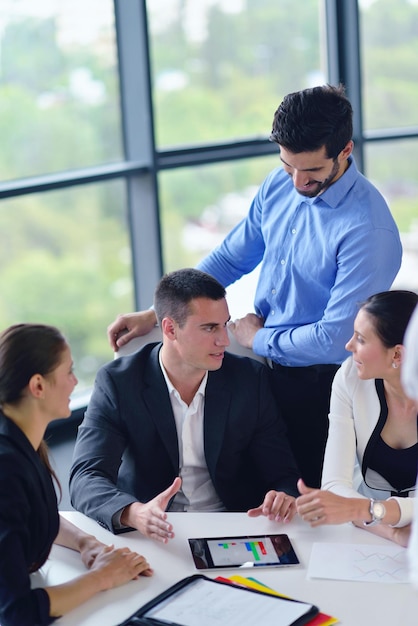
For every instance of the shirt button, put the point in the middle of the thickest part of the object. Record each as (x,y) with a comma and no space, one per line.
(282,261)
(273,291)
(293,231)
(272,312)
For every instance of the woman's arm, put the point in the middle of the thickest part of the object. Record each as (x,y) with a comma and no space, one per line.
(398,535)
(340,451)
(109,567)
(70,536)
(319,507)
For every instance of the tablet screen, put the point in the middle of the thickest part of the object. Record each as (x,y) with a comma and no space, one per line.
(244,551)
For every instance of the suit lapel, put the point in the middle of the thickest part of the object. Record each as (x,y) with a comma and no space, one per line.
(157,401)
(217,408)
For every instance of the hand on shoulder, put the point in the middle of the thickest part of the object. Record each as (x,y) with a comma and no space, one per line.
(130,325)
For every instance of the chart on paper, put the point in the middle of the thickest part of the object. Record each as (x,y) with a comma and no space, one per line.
(361,562)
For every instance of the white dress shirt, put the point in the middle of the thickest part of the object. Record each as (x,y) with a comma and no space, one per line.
(197,492)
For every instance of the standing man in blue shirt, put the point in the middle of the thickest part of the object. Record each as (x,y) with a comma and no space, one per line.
(326,240)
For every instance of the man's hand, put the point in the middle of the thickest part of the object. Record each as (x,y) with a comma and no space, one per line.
(245,328)
(277,506)
(130,325)
(150,518)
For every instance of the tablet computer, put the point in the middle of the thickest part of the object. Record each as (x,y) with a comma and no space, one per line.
(243,552)
(207,602)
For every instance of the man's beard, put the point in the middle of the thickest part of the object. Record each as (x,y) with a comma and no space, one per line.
(321,186)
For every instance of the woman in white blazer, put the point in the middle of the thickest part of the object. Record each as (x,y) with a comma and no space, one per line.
(371,457)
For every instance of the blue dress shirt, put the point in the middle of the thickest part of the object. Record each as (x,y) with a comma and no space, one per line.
(321,257)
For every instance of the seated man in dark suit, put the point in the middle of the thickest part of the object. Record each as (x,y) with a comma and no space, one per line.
(182,425)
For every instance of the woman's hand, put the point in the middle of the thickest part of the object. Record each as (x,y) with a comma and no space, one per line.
(116,566)
(109,567)
(318,507)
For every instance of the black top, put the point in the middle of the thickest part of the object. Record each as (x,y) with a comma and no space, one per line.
(29,524)
(398,467)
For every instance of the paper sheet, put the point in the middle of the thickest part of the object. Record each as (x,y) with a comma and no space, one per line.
(359,562)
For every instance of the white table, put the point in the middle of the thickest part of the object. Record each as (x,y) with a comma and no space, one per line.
(354,603)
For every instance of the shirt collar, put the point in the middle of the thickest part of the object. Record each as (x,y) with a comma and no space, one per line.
(338,190)
(172,390)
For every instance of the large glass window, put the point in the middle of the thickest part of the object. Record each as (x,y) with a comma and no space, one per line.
(65,255)
(221,67)
(389,51)
(200,205)
(59,91)
(65,260)
(392,167)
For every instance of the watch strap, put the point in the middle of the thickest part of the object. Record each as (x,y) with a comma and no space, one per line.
(375,519)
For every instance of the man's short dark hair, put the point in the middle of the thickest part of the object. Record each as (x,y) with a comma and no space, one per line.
(176,290)
(309,119)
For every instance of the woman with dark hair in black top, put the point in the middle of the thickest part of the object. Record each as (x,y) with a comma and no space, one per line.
(36,381)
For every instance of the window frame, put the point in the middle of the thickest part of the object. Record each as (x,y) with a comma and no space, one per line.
(143,162)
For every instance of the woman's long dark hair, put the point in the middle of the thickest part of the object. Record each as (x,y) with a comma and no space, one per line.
(26,350)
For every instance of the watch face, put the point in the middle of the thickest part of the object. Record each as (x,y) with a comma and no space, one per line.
(378,510)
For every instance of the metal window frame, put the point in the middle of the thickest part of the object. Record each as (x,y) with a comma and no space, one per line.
(143,162)
(342,28)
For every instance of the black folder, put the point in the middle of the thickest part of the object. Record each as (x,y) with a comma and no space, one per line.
(180,606)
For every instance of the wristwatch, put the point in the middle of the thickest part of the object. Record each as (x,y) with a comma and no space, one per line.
(377,511)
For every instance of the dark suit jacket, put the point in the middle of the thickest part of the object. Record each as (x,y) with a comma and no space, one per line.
(127,447)
(28,526)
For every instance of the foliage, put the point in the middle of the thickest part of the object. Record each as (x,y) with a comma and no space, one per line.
(64,256)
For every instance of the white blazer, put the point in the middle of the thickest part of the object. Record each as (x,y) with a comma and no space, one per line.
(354,412)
